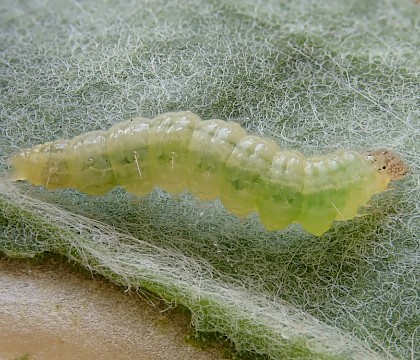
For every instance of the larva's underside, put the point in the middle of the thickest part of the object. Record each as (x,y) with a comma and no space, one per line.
(214,159)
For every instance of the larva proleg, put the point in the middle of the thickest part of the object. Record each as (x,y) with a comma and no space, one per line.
(214,159)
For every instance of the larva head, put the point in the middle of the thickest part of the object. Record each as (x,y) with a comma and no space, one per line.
(388,163)
(38,165)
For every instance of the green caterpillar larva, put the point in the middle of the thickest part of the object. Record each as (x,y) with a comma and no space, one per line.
(214,159)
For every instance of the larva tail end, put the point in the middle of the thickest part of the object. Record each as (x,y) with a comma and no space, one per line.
(26,166)
(389,163)
(18,168)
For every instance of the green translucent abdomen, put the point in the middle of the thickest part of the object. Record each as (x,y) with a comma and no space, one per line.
(280,194)
(128,151)
(170,137)
(211,144)
(245,174)
(88,165)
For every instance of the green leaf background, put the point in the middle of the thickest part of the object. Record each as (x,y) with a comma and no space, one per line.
(316,76)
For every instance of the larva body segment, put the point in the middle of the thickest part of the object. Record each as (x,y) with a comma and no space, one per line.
(211,145)
(93,173)
(214,159)
(128,150)
(170,137)
(330,185)
(281,196)
(244,173)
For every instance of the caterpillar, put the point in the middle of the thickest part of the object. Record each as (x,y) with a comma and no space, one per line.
(214,159)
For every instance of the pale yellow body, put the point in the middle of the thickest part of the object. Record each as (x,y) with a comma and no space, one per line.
(212,159)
